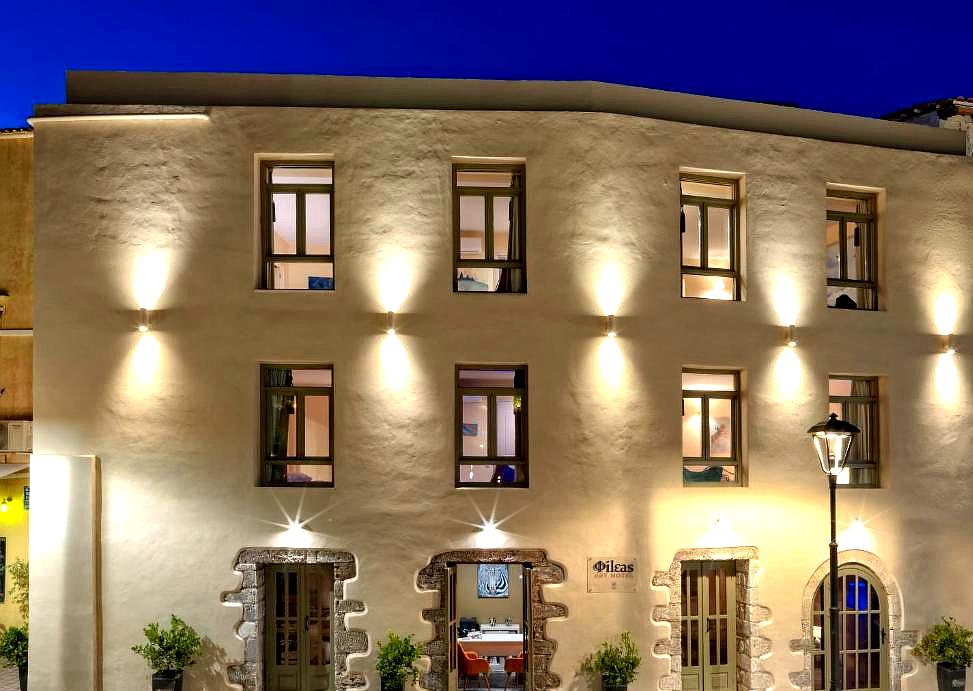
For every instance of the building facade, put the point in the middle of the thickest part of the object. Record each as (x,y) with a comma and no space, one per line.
(396,326)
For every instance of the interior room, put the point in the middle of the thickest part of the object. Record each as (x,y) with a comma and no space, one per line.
(490,605)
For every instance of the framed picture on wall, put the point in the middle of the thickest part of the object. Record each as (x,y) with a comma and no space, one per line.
(492,580)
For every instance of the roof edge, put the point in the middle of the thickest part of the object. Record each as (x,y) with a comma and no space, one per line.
(318,91)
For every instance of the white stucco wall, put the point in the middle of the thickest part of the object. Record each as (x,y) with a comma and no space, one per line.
(178,444)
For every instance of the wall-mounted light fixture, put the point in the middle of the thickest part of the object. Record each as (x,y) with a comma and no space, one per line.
(949,344)
(144,322)
(790,336)
(5,504)
(390,323)
(610,326)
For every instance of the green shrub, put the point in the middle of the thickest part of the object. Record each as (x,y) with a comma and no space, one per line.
(949,642)
(397,659)
(13,646)
(19,573)
(616,662)
(174,648)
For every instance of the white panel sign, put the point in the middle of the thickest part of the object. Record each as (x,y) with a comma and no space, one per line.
(612,575)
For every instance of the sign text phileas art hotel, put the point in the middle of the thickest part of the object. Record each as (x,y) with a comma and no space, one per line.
(612,575)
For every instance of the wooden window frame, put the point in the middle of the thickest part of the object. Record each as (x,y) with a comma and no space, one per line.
(843,218)
(702,202)
(301,392)
(875,441)
(736,443)
(520,462)
(267,190)
(519,173)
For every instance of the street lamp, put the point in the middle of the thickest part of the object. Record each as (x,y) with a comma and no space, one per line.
(832,440)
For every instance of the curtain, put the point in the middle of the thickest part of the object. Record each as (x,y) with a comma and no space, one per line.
(863,241)
(862,415)
(280,408)
(512,280)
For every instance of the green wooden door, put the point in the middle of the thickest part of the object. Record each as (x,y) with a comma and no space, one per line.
(297,637)
(708,620)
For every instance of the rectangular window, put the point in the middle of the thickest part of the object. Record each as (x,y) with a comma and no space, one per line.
(298,416)
(851,243)
(296,214)
(489,228)
(855,399)
(711,427)
(491,426)
(709,225)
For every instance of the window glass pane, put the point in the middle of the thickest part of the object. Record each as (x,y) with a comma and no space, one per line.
(281,425)
(473,178)
(502,208)
(851,205)
(708,473)
(718,236)
(317,208)
(832,243)
(851,298)
(317,426)
(284,226)
(493,474)
(475,431)
(690,222)
(472,223)
(714,190)
(708,287)
(704,381)
(508,436)
(720,428)
(311,377)
(310,473)
(477,280)
(692,427)
(287,175)
(480,378)
(839,387)
(303,275)
(859,252)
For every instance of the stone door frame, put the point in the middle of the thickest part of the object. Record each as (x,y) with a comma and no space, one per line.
(752,648)
(432,577)
(897,638)
(250,563)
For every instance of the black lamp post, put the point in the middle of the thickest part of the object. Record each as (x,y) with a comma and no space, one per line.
(832,441)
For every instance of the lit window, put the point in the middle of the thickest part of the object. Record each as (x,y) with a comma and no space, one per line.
(850,239)
(855,399)
(491,418)
(489,229)
(709,225)
(296,424)
(711,427)
(296,213)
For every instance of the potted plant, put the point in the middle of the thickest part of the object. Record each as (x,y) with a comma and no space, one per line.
(169,652)
(617,662)
(397,661)
(950,646)
(13,650)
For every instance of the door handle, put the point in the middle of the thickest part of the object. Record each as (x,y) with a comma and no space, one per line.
(306,626)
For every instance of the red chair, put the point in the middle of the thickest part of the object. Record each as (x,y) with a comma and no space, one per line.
(472,665)
(513,665)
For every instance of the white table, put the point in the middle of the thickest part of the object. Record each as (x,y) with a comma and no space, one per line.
(494,644)
(500,628)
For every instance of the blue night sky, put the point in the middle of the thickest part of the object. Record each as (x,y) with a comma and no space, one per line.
(864,58)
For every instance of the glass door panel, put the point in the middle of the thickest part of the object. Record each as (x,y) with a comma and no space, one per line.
(708,625)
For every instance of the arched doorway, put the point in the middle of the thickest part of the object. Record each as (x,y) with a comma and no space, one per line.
(862,631)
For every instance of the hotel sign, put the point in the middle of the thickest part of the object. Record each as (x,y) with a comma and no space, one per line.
(612,575)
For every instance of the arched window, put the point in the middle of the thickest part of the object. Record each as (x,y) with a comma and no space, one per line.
(862,631)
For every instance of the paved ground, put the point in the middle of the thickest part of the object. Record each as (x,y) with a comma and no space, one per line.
(9,681)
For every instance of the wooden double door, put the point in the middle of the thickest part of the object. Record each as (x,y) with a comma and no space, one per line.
(297,637)
(708,624)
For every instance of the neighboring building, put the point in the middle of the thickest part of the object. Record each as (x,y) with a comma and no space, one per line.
(265,401)
(16,355)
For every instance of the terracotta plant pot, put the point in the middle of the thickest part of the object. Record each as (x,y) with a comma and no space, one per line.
(167,680)
(951,678)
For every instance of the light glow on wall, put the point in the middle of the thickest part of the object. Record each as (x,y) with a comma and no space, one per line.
(611,362)
(396,367)
(857,536)
(394,283)
(720,534)
(945,314)
(787,372)
(145,358)
(149,279)
(609,289)
(947,378)
(785,302)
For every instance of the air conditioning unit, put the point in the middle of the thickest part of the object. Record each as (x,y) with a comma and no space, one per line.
(16,435)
